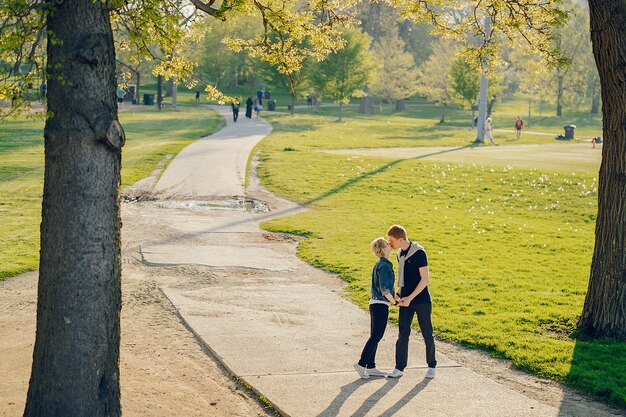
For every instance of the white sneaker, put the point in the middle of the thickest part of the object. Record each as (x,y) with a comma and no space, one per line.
(375,372)
(396,373)
(361,371)
(430,374)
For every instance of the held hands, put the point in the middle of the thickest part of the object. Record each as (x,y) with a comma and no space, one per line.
(402,301)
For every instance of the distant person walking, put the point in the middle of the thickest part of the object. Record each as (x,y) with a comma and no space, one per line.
(235,107)
(413,280)
(197,96)
(488,129)
(258,107)
(519,125)
(382,297)
(249,104)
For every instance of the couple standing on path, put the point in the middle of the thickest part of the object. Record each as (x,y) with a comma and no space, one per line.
(414,298)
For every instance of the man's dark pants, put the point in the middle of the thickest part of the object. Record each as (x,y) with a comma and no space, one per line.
(405,318)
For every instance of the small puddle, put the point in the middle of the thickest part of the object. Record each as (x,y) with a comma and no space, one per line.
(231,204)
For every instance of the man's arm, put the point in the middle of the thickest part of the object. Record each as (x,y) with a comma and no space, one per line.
(424,280)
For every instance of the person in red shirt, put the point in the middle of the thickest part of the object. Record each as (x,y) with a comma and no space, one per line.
(519,125)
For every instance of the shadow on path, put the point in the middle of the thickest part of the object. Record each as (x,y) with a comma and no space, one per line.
(406,398)
(347,390)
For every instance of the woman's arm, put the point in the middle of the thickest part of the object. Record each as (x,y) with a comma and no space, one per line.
(385,282)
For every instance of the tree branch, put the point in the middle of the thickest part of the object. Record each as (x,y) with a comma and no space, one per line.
(205,7)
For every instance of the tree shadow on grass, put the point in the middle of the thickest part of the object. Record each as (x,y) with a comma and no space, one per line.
(599,368)
(377,171)
(320,197)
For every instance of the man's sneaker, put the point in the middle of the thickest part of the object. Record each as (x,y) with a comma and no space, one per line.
(375,372)
(430,374)
(361,371)
(396,373)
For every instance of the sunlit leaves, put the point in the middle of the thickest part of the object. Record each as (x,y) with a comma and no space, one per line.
(292,33)
(398,76)
(513,22)
(344,74)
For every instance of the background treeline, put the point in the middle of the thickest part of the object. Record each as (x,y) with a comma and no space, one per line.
(390,60)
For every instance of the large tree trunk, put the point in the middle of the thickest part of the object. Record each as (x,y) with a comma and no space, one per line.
(604,312)
(75,369)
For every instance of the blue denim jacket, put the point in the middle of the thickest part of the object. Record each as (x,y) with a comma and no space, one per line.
(382,279)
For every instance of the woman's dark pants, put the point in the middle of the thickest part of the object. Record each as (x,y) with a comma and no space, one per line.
(379,313)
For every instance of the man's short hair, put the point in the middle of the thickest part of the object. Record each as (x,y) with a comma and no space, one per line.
(378,246)
(397,231)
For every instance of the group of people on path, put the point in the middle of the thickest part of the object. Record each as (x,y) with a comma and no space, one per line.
(255,105)
(519,126)
(413,299)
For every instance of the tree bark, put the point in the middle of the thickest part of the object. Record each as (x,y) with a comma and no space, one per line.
(75,370)
(604,311)
(340,112)
(137,91)
(400,105)
(159,92)
(559,97)
(366,105)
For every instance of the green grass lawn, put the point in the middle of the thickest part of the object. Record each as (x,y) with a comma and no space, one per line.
(420,112)
(152,139)
(509,248)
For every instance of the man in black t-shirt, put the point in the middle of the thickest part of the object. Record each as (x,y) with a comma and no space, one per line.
(413,279)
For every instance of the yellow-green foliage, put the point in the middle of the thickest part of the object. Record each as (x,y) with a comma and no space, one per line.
(509,249)
(152,138)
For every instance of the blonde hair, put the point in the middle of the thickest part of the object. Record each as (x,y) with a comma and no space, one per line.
(397,231)
(378,246)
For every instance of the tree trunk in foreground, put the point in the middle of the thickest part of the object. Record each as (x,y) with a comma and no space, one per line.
(604,312)
(76,356)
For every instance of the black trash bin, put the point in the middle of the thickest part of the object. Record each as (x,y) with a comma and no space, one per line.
(268,95)
(569,131)
(271,105)
(148,99)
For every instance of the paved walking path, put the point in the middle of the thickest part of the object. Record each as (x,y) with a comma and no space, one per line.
(283,326)
(575,157)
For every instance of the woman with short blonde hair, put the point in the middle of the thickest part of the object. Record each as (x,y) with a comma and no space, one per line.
(382,297)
